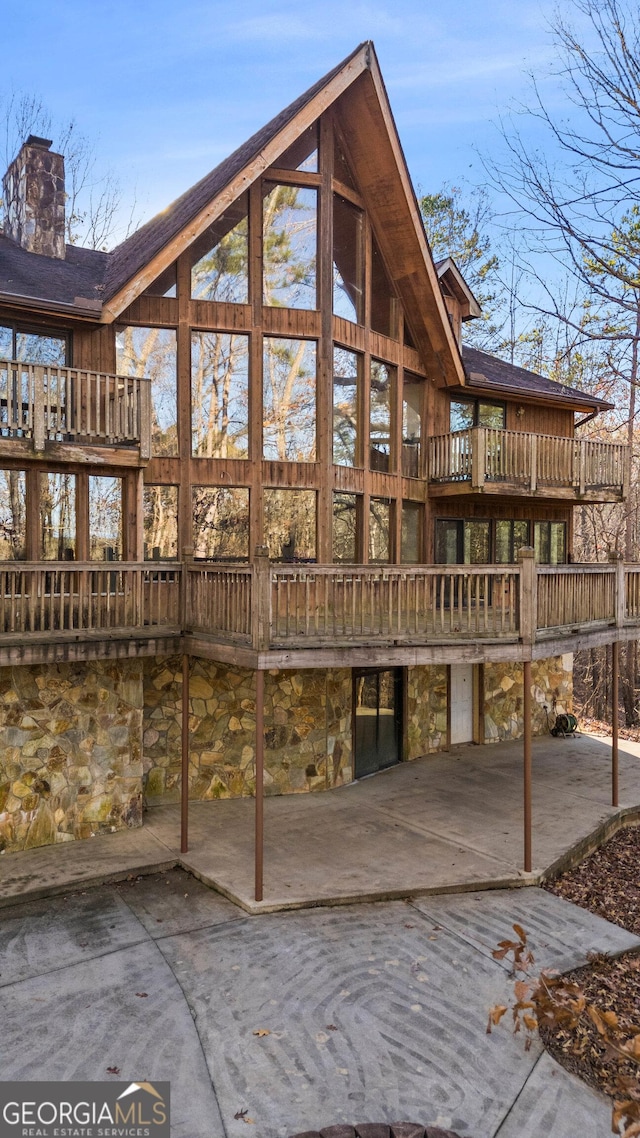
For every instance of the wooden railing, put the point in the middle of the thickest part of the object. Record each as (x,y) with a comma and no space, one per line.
(265,606)
(47,403)
(58,597)
(519,458)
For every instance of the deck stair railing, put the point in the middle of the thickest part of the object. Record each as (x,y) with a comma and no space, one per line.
(49,403)
(481,455)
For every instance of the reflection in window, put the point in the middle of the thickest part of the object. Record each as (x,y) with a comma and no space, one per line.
(13,515)
(160,514)
(412,521)
(58,517)
(219,395)
(348,260)
(380,415)
(303,153)
(220,522)
(345,528)
(165,284)
(289,246)
(346,401)
(32,347)
(380,530)
(105,518)
(289,400)
(510,536)
(550,542)
(341,168)
(382,296)
(412,411)
(467,413)
(477,543)
(152,352)
(290,524)
(220,257)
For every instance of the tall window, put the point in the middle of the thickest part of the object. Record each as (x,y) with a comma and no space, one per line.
(347,369)
(382,296)
(380,515)
(220,522)
(412,412)
(289,241)
(348,260)
(219,395)
(303,153)
(412,524)
(151,352)
(466,413)
(289,400)
(510,536)
(550,542)
(58,517)
(290,524)
(105,518)
(13,515)
(32,347)
(220,257)
(346,527)
(160,523)
(382,380)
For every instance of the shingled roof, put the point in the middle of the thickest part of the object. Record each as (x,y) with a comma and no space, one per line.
(486,371)
(75,283)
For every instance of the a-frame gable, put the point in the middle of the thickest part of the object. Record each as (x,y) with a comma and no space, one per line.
(355,94)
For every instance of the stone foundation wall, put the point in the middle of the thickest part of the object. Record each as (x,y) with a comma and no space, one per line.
(70,751)
(307,730)
(426,709)
(504,696)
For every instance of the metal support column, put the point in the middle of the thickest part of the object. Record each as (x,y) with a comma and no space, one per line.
(184,791)
(615,686)
(527,766)
(259,836)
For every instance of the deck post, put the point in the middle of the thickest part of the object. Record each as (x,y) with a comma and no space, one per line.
(615,678)
(478,457)
(261,599)
(184,788)
(259,834)
(527,766)
(528,595)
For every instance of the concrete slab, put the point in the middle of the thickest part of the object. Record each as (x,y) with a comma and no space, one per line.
(559,934)
(175,902)
(554,1102)
(89,1018)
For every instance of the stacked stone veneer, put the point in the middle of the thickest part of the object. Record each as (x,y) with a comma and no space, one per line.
(504,696)
(307,730)
(426,709)
(70,751)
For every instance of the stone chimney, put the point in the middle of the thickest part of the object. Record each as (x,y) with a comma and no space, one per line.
(34,199)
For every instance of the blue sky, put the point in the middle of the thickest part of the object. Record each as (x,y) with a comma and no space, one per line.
(168,89)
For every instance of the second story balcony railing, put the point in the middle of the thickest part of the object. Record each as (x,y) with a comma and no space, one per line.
(488,458)
(265,607)
(46,403)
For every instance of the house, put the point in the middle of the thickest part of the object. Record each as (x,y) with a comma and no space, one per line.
(245,451)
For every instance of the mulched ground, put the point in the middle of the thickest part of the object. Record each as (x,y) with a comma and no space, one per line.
(606,883)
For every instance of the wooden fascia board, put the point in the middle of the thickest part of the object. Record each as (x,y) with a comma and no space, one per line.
(444,345)
(245,177)
(538,399)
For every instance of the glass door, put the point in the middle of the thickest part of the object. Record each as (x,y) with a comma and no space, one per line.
(377,705)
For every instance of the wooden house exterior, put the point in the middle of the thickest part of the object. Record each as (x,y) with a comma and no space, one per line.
(245,451)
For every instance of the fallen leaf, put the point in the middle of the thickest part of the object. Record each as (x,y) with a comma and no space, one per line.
(262,1031)
(142,995)
(331,1027)
(113,1070)
(243,1116)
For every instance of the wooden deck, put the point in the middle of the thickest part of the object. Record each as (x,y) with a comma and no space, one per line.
(314,615)
(55,409)
(488,460)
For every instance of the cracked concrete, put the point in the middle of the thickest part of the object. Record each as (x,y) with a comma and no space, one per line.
(373,1012)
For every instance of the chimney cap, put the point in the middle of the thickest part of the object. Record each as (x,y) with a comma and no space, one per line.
(34,140)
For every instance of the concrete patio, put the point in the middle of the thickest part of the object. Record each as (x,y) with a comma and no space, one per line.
(445,823)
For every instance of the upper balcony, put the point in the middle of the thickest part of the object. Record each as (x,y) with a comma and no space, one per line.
(67,413)
(495,461)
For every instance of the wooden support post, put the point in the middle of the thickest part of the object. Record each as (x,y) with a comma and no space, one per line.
(620,595)
(615,684)
(533,464)
(261,599)
(527,767)
(583,467)
(38,409)
(528,595)
(146,419)
(478,456)
(184,790)
(259,835)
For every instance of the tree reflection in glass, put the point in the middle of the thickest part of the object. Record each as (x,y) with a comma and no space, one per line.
(160,513)
(346,382)
(382,376)
(379,530)
(58,517)
(151,352)
(220,522)
(289,400)
(348,260)
(345,528)
(220,265)
(289,240)
(13,515)
(219,395)
(105,518)
(290,524)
